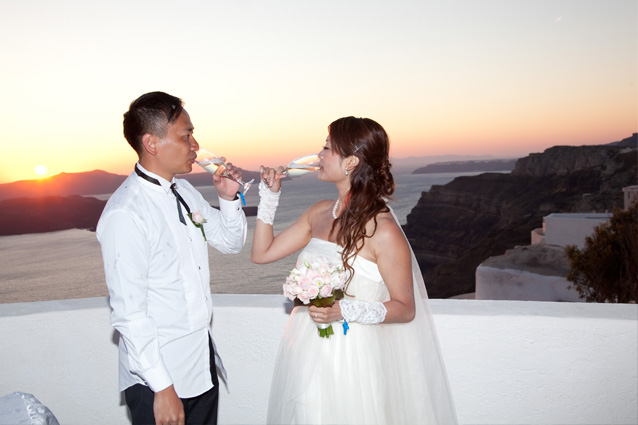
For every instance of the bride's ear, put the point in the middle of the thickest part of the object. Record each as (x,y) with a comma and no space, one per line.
(351,162)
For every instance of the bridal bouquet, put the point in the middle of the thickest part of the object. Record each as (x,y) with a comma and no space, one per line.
(319,282)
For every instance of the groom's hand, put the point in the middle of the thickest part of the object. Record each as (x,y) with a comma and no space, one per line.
(227,188)
(168,408)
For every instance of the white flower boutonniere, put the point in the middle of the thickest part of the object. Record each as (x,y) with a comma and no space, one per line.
(198,220)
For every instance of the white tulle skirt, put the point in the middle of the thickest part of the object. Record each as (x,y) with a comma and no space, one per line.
(376,374)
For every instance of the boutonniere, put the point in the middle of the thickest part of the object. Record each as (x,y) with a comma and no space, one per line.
(198,220)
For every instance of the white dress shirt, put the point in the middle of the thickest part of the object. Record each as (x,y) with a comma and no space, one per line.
(158,278)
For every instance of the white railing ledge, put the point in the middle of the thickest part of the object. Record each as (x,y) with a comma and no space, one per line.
(509,362)
(437,306)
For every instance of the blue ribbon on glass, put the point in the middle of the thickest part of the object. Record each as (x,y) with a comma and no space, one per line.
(243,200)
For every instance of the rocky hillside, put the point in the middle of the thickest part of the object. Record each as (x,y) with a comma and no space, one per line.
(467,166)
(455,227)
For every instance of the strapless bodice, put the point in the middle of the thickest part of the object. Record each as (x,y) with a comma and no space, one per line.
(366,284)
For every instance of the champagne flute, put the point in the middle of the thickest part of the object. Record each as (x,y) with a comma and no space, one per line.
(214,165)
(303,165)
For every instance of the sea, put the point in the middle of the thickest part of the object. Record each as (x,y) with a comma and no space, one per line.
(68,264)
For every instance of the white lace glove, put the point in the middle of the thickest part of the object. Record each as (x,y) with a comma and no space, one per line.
(362,312)
(268,201)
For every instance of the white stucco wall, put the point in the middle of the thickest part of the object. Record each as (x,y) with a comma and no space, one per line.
(630,195)
(537,236)
(514,284)
(571,229)
(509,362)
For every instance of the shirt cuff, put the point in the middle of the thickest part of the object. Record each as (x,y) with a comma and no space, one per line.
(158,378)
(230,209)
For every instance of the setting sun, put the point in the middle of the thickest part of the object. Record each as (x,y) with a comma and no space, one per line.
(40,170)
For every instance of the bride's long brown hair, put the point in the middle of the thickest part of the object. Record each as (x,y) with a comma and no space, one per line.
(371,182)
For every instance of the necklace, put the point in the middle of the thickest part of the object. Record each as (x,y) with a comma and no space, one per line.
(334,210)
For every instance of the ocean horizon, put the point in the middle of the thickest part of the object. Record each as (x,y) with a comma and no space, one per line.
(67,264)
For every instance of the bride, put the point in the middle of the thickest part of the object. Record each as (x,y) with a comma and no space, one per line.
(385,366)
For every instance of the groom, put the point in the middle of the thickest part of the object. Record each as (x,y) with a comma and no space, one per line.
(154,233)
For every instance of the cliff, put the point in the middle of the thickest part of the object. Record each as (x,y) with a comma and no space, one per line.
(453,228)
(467,166)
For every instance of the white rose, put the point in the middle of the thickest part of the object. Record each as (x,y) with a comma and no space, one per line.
(197,217)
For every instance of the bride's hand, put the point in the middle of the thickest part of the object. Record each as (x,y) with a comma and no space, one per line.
(325,314)
(272,177)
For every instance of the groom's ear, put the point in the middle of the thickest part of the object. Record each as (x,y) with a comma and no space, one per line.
(149,143)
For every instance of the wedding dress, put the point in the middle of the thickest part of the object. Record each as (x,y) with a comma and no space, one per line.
(376,374)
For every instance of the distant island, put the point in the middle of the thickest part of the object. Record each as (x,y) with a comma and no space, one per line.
(487,165)
(19,216)
(65,201)
(96,182)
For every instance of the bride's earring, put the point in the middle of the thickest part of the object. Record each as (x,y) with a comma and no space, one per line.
(346,171)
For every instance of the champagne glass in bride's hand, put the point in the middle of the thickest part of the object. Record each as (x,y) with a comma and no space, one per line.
(300,166)
(214,165)
(304,165)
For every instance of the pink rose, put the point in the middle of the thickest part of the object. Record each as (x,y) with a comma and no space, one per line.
(326,291)
(303,297)
(305,282)
(313,291)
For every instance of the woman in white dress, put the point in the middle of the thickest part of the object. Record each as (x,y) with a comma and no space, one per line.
(387,368)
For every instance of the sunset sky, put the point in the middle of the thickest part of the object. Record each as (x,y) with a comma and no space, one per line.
(263,79)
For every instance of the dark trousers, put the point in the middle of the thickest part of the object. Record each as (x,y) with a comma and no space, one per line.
(200,410)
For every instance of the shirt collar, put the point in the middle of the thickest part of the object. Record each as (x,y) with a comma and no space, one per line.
(163,183)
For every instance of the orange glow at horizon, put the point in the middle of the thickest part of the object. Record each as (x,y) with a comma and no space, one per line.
(120,160)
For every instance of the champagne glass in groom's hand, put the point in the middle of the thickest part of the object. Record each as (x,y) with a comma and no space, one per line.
(214,165)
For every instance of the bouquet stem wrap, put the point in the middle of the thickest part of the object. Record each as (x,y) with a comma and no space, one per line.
(325,329)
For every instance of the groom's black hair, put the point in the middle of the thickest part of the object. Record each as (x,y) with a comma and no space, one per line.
(149,114)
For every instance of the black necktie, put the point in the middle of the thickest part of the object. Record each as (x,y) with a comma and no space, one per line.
(178,198)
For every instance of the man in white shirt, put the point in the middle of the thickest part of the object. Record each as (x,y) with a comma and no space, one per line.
(155,252)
